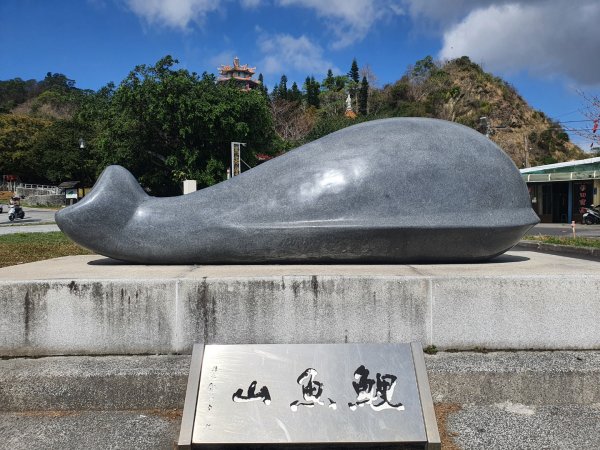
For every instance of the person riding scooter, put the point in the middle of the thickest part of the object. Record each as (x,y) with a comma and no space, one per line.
(15,210)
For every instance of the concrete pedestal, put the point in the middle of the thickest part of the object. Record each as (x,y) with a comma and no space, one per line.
(94,305)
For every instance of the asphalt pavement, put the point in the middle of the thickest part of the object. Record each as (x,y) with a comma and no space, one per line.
(37,220)
(562,229)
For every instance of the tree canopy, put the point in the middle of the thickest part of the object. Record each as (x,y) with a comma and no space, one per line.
(166,124)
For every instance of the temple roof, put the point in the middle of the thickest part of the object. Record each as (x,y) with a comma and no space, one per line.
(236,67)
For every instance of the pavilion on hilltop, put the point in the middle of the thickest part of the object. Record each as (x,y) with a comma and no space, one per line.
(241,74)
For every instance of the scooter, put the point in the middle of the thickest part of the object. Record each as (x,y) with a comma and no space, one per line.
(15,212)
(592,215)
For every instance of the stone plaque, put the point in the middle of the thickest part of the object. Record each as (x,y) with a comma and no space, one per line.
(314,395)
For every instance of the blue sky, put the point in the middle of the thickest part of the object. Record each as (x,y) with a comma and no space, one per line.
(548,49)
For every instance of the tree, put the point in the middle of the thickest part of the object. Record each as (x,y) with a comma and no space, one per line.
(340,83)
(329,82)
(591,110)
(282,92)
(17,135)
(353,74)
(58,156)
(366,71)
(363,97)
(292,122)
(312,89)
(262,87)
(167,125)
(294,95)
(353,81)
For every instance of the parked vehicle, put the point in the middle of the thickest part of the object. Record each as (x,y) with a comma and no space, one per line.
(592,215)
(15,211)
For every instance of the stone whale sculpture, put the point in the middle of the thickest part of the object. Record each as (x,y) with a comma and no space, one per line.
(387,191)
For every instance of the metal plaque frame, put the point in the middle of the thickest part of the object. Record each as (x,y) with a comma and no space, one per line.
(203,378)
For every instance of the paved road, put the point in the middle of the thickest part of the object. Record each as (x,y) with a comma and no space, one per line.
(32,216)
(36,220)
(558,229)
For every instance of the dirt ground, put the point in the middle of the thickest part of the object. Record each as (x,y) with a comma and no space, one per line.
(442,411)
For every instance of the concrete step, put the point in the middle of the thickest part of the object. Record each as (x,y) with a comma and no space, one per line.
(516,426)
(66,383)
(159,382)
(533,378)
(89,430)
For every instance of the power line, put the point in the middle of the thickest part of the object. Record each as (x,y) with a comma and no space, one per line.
(569,113)
(575,121)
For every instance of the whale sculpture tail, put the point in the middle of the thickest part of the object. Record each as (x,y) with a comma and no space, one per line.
(115,198)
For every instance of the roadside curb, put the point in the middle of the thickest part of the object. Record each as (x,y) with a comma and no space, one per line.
(587,252)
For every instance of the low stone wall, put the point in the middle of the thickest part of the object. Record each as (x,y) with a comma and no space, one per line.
(44,200)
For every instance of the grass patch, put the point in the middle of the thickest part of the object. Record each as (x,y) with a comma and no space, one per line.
(21,248)
(573,242)
(431,350)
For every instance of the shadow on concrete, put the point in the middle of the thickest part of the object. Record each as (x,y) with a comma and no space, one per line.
(505,258)
(111,262)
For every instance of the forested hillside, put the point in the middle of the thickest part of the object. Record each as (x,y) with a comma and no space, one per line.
(167,124)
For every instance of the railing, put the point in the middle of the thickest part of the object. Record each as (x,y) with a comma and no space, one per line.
(40,187)
(14,185)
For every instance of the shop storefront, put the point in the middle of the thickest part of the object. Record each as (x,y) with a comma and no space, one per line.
(560,193)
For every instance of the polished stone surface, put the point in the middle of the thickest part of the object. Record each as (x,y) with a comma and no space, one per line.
(392,190)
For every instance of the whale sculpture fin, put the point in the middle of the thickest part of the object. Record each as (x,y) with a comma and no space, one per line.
(114,199)
(117,181)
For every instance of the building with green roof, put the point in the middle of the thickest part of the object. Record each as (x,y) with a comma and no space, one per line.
(561,192)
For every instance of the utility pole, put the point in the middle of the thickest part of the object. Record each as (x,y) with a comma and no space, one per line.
(486,123)
(526,151)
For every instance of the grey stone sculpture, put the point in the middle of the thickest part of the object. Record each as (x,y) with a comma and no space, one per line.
(387,191)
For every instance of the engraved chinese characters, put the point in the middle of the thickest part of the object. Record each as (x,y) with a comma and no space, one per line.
(376,392)
(262,394)
(311,391)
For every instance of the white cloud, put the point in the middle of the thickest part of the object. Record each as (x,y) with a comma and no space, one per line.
(224,57)
(552,37)
(285,53)
(349,20)
(250,3)
(544,37)
(173,13)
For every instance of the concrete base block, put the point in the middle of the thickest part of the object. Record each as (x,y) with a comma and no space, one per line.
(93,305)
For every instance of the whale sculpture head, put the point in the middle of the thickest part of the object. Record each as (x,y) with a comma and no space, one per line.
(393,190)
